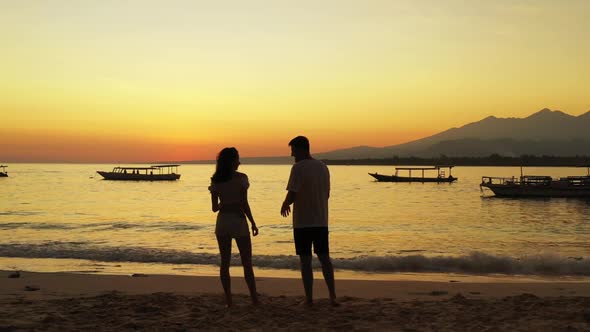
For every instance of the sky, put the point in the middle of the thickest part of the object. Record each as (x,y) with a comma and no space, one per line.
(145,80)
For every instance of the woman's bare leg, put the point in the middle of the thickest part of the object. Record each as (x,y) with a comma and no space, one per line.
(224,243)
(245,247)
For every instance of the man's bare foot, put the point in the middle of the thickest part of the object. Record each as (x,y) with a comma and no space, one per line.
(334,303)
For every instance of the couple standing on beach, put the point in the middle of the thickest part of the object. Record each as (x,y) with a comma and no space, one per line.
(308,190)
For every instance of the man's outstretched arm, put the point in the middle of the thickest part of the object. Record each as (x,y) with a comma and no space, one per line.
(286,207)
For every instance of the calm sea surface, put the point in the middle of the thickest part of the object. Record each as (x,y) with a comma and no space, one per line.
(64,214)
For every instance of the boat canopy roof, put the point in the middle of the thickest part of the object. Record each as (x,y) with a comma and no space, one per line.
(424,168)
(147,167)
(135,168)
(537,177)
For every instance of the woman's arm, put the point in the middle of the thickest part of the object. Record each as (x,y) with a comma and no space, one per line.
(214,202)
(247,211)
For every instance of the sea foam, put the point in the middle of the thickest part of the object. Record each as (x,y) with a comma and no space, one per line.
(473,263)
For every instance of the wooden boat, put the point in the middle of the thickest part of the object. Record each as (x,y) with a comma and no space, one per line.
(440,175)
(538,186)
(3,172)
(150,173)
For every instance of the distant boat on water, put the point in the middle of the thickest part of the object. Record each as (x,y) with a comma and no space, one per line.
(3,172)
(538,186)
(440,175)
(149,173)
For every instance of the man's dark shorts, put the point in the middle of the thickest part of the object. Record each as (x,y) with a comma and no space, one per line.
(305,237)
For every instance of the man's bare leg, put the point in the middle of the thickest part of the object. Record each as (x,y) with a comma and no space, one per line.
(307,277)
(328,271)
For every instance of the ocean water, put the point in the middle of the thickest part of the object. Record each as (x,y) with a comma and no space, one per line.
(64,217)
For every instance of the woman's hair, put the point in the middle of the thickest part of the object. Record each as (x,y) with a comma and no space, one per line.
(224,169)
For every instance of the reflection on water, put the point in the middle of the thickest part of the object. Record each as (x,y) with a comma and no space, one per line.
(52,203)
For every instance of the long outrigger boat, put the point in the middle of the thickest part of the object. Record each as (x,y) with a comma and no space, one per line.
(3,172)
(538,186)
(150,173)
(440,175)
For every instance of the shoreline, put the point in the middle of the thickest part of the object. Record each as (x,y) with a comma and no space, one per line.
(83,266)
(60,284)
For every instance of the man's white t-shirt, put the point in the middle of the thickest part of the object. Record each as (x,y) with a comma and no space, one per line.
(310,180)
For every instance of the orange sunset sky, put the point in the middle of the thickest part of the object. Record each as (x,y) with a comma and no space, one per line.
(135,81)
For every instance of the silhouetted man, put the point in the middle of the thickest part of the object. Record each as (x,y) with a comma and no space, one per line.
(308,191)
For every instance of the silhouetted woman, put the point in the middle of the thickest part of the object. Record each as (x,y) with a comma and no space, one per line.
(229,196)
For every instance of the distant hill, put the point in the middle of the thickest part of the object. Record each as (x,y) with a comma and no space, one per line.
(547,132)
(543,133)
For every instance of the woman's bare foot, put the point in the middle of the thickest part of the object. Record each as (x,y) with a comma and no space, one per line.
(228,302)
(306,303)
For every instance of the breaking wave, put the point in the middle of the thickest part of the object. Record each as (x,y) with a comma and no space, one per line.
(474,263)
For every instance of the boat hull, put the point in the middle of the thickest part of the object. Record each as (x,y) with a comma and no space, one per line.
(533,191)
(138,177)
(394,178)
(3,175)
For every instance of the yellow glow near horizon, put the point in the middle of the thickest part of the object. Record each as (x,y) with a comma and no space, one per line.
(189,77)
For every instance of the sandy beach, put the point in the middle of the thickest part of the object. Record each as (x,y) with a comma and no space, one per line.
(67,302)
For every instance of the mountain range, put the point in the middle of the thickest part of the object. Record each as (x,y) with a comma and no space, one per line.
(545,132)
